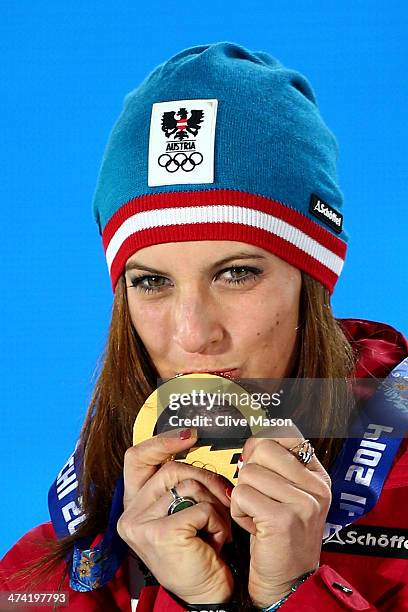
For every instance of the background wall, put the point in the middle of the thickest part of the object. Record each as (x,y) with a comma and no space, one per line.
(64,72)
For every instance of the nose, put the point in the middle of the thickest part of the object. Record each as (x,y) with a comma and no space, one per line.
(196,323)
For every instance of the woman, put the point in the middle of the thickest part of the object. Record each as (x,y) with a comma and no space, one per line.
(220,215)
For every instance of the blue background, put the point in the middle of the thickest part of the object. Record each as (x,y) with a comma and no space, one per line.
(64,72)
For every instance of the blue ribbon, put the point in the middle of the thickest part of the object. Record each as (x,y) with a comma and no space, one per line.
(94,567)
(358,477)
(359,473)
(90,568)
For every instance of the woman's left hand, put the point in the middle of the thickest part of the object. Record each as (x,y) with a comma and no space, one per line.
(283,504)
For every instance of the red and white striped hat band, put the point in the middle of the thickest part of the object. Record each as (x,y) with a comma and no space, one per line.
(223,215)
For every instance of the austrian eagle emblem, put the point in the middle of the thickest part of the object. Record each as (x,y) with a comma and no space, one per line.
(180,124)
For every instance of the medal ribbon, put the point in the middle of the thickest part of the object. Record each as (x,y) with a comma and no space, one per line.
(358,476)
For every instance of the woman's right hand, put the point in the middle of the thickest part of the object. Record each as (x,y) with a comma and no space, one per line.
(183,562)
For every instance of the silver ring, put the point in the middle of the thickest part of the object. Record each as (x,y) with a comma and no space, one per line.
(303,452)
(179,502)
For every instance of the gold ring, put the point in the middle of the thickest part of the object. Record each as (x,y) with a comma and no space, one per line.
(303,452)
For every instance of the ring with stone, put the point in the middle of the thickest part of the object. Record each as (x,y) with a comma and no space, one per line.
(303,452)
(179,502)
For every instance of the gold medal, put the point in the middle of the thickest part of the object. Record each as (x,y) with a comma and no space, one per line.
(218,407)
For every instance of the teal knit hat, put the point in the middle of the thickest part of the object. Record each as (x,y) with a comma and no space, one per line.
(222,143)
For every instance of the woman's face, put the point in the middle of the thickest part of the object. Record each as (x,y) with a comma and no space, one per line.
(215,305)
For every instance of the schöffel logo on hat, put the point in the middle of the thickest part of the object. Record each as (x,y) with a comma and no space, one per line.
(181,144)
(326,213)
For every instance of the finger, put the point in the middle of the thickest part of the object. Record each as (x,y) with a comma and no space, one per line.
(252,510)
(153,525)
(262,516)
(173,473)
(281,490)
(203,517)
(285,443)
(143,460)
(274,457)
(190,489)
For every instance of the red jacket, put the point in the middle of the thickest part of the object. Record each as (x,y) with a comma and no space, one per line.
(378,577)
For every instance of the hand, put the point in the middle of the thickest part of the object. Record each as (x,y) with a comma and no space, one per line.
(184,563)
(283,504)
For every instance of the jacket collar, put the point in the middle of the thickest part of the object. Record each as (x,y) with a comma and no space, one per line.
(378,347)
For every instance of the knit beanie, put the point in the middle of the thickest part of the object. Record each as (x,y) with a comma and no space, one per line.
(222,143)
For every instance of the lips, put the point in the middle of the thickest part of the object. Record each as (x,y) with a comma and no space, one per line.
(228,373)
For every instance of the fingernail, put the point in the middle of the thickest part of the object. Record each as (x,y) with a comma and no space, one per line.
(240,462)
(185,434)
(228,491)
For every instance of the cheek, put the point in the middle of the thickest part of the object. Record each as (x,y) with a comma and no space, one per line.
(268,320)
(149,322)
(253,327)
(268,315)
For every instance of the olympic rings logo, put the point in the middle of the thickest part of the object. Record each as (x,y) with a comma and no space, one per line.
(181,160)
(196,463)
(205,466)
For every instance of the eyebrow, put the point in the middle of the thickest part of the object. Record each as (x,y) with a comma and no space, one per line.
(135,265)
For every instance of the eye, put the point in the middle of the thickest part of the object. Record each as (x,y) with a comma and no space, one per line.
(148,284)
(238,275)
(234,275)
